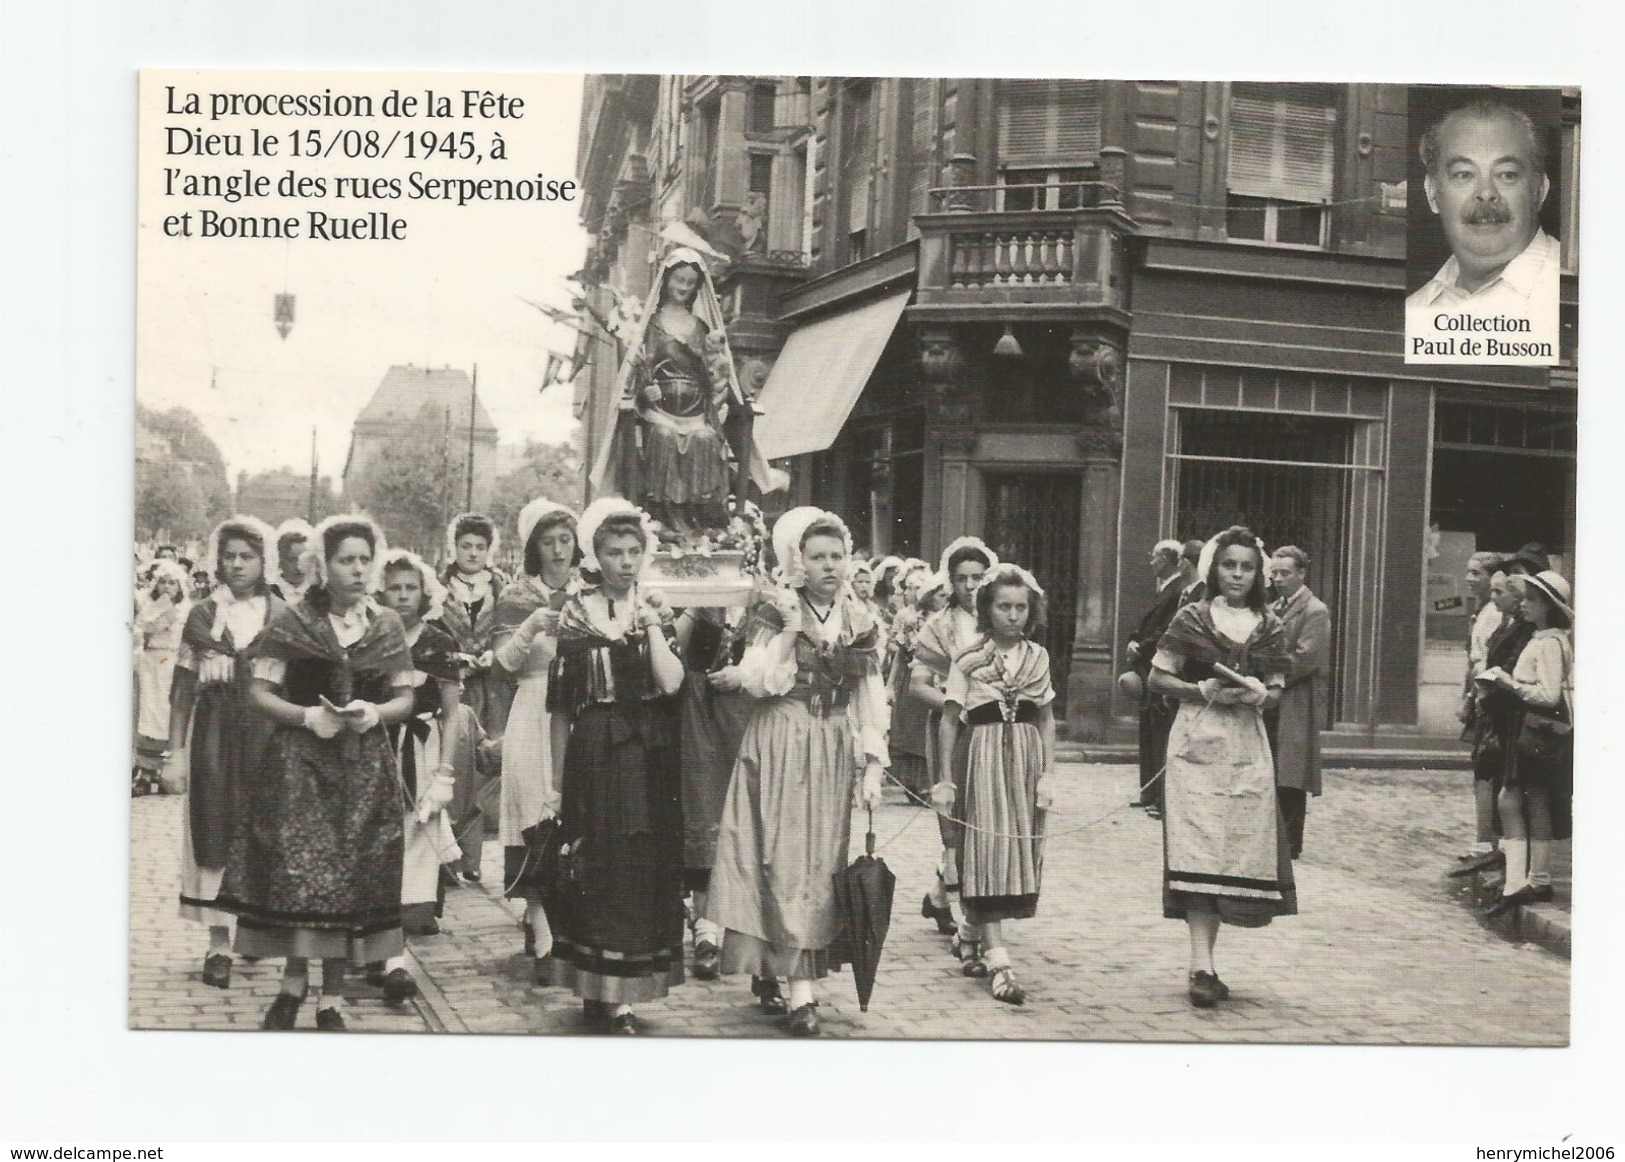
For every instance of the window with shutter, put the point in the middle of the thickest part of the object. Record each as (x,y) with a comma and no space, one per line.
(1281,164)
(1048,122)
(855,163)
(922,145)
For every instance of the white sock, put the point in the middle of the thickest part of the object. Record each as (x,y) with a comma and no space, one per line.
(219,939)
(1517,864)
(800,993)
(395,962)
(1483,847)
(708,930)
(541,928)
(623,1010)
(1540,862)
(996,958)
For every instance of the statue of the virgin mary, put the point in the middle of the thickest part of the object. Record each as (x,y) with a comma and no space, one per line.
(677,388)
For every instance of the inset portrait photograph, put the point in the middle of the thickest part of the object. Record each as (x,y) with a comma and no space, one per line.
(1483,252)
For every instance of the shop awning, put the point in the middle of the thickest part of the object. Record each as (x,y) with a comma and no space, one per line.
(819,376)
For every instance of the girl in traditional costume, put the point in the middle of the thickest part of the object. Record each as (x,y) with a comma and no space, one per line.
(943,637)
(910,717)
(217,739)
(158,625)
(1225,847)
(425,745)
(618,931)
(474,588)
(814,660)
(1536,800)
(315,869)
(293,550)
(1000,691)
(526,639)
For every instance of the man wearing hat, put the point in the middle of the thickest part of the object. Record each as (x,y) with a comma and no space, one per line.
(1294,725)
(1156,716)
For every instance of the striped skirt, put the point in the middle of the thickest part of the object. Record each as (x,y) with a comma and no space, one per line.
(1002,850)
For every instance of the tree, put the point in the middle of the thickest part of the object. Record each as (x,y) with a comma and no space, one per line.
(407,484)
(180,477)
(550,470)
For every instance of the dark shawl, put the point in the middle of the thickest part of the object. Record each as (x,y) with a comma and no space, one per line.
(1195,638)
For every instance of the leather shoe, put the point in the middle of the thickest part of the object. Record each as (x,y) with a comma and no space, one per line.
(625,1025)
(399,987)
(707,961)
(1205,990)
(804,1021)
(1483,861)
(768,996)
(284,1011)
(329,1020)
(944,916)
(1527,894)
(217,970)
(597,1015)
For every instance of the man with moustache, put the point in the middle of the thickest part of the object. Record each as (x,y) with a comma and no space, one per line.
(1486,180)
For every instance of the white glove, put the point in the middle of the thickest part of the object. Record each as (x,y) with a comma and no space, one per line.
(365,718)
(726,679)
(541,621)
(943,796)
(1253,692)
(551,802)
(437,795)
(216,669)
(869,794)
(1043,798)
(483,662)
(322,722)
(1213,690)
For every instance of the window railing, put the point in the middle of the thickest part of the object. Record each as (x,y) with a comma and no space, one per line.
(1067,195)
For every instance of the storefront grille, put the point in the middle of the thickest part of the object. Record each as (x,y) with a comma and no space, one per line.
(1286,477)
(1032,519)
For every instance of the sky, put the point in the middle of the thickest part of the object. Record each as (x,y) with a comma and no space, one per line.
(449,294)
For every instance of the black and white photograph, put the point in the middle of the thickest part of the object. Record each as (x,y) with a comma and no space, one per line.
(843,557)
(1488,259)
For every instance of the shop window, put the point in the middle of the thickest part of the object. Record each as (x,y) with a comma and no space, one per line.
(1280,171)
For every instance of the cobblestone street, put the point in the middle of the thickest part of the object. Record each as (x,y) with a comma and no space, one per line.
(1379,954)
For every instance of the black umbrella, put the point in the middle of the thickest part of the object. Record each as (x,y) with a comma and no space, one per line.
(863,896)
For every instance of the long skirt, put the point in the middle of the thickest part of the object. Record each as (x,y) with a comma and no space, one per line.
(316,867)
(618,925)
(154,676)
(950,824)
(785,831)
(1224,841)
(527,778)
(711,725)
(1002,853)
(427,844)
(910,741)
(225,752)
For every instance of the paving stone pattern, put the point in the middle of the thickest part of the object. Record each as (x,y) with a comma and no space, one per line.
(1381,952)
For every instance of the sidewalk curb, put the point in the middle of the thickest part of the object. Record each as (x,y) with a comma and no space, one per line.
(1548,925)
(431,1002)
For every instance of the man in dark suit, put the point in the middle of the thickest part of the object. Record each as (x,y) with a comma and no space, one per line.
(1156,713)
(1193,586)
(1294,725)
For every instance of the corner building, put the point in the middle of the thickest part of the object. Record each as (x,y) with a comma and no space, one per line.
(1075,317)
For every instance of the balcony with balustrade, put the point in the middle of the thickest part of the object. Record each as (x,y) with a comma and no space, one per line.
(1060,255)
